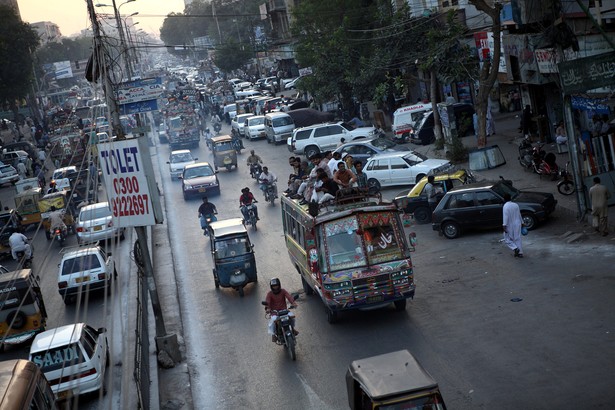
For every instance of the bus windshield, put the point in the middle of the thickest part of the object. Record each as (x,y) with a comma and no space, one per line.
(360,240)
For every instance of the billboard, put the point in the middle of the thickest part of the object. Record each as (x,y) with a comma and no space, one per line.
(139,90)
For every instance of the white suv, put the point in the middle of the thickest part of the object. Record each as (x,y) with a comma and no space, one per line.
(323,137)
(73,358)
(85,270)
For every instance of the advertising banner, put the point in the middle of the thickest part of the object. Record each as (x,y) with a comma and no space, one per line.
(140,90)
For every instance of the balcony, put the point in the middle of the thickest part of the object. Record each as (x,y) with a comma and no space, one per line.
(277,6)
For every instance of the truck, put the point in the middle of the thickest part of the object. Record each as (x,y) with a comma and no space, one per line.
(182,123)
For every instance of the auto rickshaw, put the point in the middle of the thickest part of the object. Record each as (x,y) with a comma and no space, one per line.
(26,205)
(22,311)
(233,254)
(60,200)
(391,381)
(9,223)
(224,152)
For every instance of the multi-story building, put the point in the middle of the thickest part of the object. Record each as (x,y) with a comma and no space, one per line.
(47,31)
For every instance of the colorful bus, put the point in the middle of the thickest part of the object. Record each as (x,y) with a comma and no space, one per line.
(352,252)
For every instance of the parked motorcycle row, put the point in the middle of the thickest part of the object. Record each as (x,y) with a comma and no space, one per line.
(533,157)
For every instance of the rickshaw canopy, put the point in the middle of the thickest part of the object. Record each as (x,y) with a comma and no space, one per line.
(227,227)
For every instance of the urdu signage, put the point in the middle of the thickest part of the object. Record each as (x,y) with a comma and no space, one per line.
(587,73)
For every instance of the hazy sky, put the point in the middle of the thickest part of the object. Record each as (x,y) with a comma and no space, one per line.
(72,16)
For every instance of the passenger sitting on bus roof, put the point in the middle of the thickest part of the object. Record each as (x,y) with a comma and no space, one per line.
(327,190)
(343,176)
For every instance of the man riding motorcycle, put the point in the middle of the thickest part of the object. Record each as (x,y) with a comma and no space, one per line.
(267,179)
(246,199)
(19,243)
(253,163)
(56,219)
(207,210)
(276,300)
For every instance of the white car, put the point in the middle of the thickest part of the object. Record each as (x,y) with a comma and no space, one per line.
(178,161)
(95,224)
(323,137)
(401,168)
(85,270)
(74,359)
(238,123)
(60,173)
(254,127)
(292,83)
(8,174)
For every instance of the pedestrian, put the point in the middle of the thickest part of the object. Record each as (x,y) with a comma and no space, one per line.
(22,170)
(450,99)
(512,223)
(432,193)
(599,197)
(526,120)
(28,164)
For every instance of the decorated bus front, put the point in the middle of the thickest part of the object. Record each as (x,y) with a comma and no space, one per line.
(363,260)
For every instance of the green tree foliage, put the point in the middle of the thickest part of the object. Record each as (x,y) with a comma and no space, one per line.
(231,56)
(175,31)
(70,49)
(16,40)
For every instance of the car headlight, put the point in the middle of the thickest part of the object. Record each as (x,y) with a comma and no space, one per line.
(187,186)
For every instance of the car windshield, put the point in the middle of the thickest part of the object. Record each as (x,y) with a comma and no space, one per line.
(94,213)
(383,143)
(228,248)
(381,243)
(183,157)
(501,188)
(198,172)
(280,122)
(414,158)
(256,121)
(58,358)
(80,264)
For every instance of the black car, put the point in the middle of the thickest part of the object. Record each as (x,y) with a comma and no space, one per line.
(479,206)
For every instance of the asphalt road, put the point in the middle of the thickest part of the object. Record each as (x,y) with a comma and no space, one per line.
(494,331)
(115,311)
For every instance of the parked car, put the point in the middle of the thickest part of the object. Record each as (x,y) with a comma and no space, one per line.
(422,132)
(74,359)
(254,127)
(8,175)
(12,157)
(365,148)
(21,146)
(238,123)
(292,84)
(199,179)
(322,137)
(479,206)
(401,168)
(414,201)
(178,160)
(95,223)
(85,270)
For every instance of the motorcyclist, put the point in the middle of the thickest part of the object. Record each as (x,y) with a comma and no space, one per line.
(266,179)
(207,210)
(276,300)
(19,243)
(216,123)
(56,218)
(253,162)
(246,199)
(52,187)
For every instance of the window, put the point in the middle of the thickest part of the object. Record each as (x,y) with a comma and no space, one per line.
(303,134)
(335,129)
(58,358)
(380,165)
(344,245)
(321,132)
(487,198)
(464,200)
(381,244)
(231,247)
(89,344)
(397,163)
(94,213)
(80,264)
(198,172)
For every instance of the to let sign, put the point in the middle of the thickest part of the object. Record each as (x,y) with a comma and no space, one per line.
(587,73)
(127,190)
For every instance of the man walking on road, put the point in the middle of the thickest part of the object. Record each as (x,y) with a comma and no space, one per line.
(512,223)
(599,197)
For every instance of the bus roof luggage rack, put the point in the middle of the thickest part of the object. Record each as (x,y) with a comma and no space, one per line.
(346,197)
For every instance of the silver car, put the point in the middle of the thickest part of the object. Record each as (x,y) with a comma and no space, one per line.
(95,224)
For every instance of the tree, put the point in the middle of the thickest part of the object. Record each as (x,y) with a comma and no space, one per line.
(16,40)
(175,31)
(70,49)
(231,56)
(489,71)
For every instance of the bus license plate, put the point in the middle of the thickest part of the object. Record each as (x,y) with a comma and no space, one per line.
(374,299)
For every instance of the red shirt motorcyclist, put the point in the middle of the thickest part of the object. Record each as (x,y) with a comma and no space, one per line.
(247,198)
(276,300)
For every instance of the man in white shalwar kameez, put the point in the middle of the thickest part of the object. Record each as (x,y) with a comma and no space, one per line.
(512,222)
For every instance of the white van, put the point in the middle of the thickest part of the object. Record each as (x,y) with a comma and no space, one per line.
(405,118)
(278,127)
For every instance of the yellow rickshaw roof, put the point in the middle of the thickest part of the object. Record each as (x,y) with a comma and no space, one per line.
(222,138)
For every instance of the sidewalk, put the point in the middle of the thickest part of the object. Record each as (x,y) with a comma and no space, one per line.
(508,137)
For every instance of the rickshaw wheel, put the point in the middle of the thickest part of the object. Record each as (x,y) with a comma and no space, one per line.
(229,167)
(240,290)
(216,281)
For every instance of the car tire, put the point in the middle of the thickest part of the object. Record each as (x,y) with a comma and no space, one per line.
(306,287)
(185,195)
(400,305)
(68,300)
(422,215)
(529,220)
(450,229)
(419,177)
(311,150)
(373,185)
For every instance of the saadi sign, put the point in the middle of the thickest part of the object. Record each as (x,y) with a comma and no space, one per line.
(583,74)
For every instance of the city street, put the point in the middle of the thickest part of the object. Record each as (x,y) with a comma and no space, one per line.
(494,331)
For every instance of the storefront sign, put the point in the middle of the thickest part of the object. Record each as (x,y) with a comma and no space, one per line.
(546,60)
(123,170)
(587,73)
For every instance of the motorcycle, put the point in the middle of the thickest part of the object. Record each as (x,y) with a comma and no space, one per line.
(60,235)
(251,215)
(548,166)
(25,263)
(526,150)
(284,331)
(217,128)
(566,185)
(270,192)
(206,220)
(255,170)
(237,144)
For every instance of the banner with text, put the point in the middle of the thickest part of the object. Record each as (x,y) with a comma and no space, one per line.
(583,74)
(126,182)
